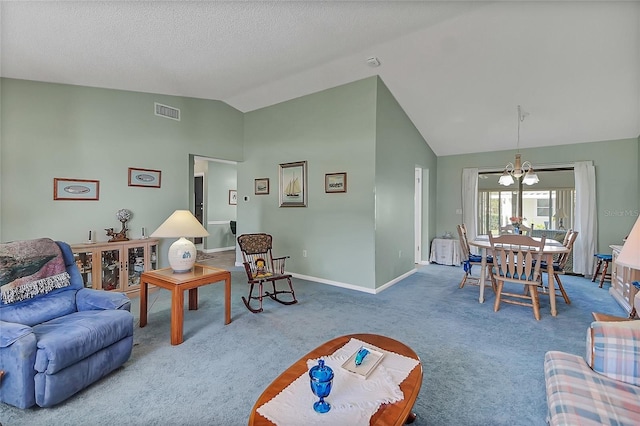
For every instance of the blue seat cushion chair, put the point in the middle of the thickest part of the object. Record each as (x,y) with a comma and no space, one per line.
(57,341)
(603,261)
(475,259)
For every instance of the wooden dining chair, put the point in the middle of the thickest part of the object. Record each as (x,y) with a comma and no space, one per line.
(469,260)
(261,267)
(603,259)
(559,267)
(516,260)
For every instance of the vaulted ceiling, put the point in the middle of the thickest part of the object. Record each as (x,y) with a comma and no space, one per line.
(459,69)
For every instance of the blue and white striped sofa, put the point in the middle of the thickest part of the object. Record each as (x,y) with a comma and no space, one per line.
(604,390)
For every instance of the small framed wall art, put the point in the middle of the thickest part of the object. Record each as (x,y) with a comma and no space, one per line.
(293,184)
(335,182)
(144,177)
(76,189)
(261,186)
(233,197)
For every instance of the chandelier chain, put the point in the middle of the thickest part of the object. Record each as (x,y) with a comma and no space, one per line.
(519,168)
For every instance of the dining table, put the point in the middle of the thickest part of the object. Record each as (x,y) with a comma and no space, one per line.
(551,248)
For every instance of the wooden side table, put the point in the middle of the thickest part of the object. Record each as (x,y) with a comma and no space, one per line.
(445,251)
(177,283)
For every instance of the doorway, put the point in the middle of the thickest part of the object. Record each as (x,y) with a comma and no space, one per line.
(420,206)
(209,195)
(198,196)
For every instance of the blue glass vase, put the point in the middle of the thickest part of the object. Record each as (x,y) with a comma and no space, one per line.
(516,229)
(321,380)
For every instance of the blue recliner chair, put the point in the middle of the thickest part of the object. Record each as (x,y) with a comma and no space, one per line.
(56,337)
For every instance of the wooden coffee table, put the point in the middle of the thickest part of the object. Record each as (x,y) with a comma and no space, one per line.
(177,283)
(599,316)
(397,414)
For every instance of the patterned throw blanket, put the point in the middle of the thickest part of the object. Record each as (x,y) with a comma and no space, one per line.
(29,268)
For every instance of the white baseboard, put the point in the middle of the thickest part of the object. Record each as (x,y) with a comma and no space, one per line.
(215,250)
(218,222)
(354,287)
(396,280)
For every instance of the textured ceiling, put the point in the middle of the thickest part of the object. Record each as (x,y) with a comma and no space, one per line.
(459,69)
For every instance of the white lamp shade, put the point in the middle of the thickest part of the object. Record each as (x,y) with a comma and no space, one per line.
(505,179)
(559,214)
(630,254)
(181,224)
(530,178)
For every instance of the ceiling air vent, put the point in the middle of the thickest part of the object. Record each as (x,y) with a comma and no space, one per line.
(167,112)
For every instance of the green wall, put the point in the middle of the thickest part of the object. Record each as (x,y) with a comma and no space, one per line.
(617,182)
(221,177)
(362,238)
(54,130)
(399,150)
(1,139)
(334,131)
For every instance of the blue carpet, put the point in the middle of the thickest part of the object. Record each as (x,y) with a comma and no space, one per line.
(480,367)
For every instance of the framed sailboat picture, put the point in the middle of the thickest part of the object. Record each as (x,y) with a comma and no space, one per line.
(293,184)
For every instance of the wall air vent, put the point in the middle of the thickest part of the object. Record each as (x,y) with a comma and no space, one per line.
(166,111)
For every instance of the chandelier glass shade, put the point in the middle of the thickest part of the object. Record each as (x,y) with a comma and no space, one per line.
(519,168)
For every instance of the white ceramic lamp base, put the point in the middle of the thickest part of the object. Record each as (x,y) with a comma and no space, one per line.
(182,255)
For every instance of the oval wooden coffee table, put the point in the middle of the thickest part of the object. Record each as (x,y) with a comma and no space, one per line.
(396,414)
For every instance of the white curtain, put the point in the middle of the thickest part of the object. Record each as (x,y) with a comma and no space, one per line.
(586,218)
(470,201)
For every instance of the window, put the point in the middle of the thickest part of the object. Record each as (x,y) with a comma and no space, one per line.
(542,207)
(548,205)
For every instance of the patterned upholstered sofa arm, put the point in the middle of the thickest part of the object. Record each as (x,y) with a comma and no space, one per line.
(613,349)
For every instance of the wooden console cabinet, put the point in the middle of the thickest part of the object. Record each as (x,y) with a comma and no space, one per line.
(116,266)
(622,277)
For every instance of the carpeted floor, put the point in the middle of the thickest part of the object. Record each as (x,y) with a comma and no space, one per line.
(204,256)
(480,367)
(221,259)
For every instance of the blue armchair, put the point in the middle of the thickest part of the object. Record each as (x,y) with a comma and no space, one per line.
(58,337)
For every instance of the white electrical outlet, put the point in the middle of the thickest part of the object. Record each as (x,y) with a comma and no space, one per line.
(399,253)
(458,211)
(304,253)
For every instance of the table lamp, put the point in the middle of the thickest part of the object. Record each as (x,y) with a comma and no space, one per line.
(630,254)
(559,216)
(182,253)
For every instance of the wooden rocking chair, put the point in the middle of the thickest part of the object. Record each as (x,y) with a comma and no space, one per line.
(262,267)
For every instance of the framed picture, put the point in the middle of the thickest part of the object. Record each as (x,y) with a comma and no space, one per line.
(75,189)
(335,182)
(144,177)
(293,184)
(261,186)
(233,197)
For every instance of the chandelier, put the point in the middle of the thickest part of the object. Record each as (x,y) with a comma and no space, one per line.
(519,168)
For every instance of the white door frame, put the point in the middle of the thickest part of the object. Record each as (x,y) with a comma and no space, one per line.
(417,215)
